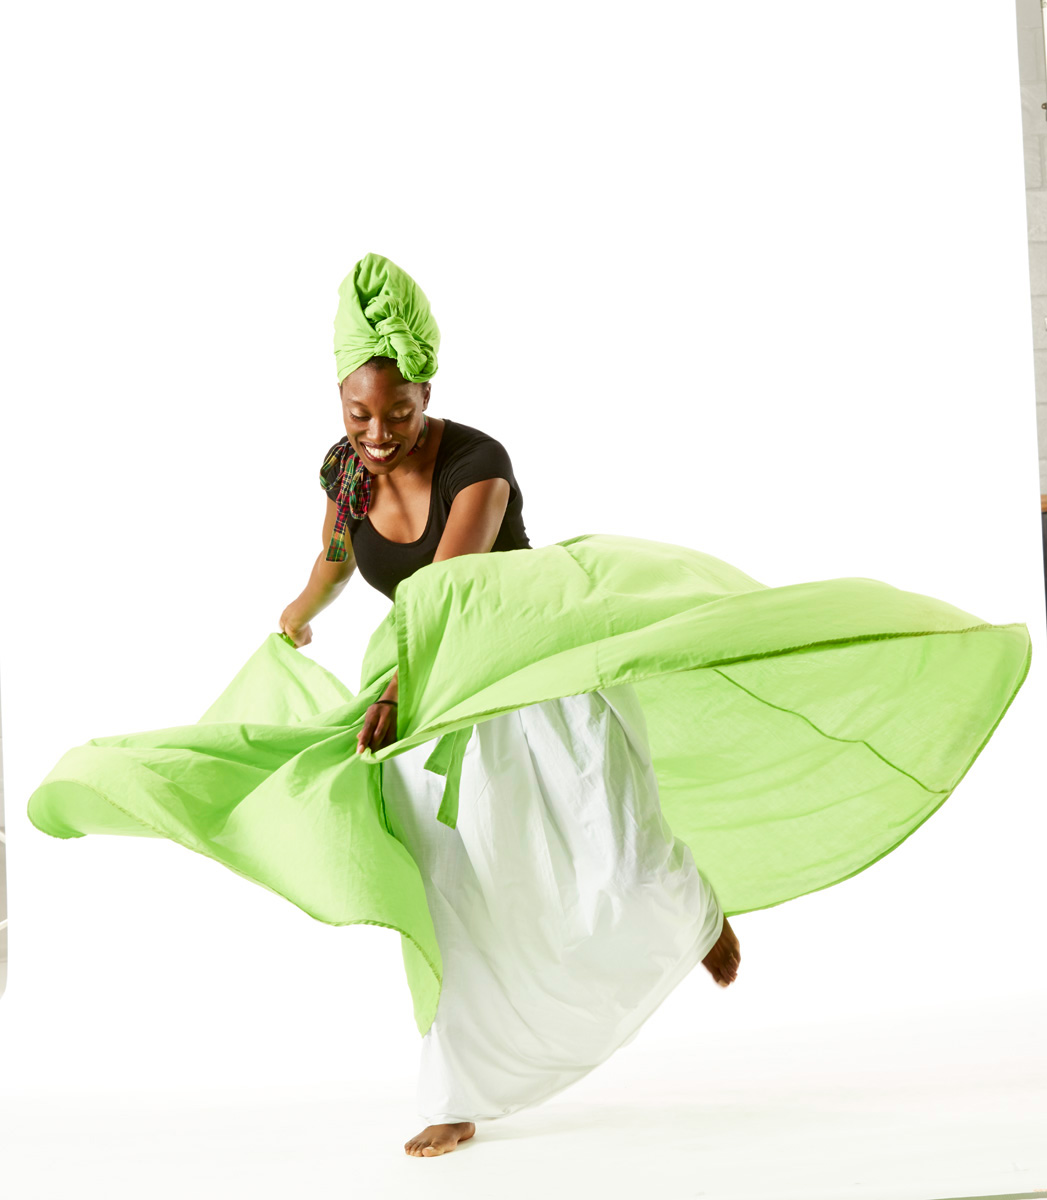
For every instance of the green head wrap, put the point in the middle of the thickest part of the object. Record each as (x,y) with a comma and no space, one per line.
(381,310)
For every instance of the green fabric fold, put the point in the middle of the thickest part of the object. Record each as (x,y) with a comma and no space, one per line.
(446,760)
(798,733)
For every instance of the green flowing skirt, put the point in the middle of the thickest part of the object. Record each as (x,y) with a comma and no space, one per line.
(798,733)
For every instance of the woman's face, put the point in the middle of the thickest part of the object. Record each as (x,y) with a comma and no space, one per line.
(382,412)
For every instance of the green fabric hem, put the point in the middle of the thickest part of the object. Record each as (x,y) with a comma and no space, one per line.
(894,846)
(251,878)
(403,681)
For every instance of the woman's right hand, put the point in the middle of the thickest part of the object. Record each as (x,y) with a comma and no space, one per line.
(299,633)
(379,728)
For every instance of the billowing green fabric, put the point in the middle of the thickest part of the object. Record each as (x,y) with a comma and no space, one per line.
(798,733)
(381,310)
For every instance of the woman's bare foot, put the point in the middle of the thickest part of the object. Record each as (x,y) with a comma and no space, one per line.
(723,959)
(438,1139)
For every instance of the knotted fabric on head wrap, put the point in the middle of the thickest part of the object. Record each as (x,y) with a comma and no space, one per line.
(381,311)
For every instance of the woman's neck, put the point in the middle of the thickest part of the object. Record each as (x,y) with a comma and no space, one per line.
(417,464)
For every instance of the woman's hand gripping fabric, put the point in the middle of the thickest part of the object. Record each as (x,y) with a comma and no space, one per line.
(379,727)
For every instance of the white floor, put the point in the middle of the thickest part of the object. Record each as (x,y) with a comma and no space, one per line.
(911,1109)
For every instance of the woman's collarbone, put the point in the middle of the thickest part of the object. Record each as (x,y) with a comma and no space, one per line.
(401,514)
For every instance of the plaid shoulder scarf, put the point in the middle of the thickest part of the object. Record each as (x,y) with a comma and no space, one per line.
(342,469)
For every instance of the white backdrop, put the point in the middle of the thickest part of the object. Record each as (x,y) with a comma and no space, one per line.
(749,278)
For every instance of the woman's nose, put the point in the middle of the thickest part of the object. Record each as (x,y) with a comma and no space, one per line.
(377,433)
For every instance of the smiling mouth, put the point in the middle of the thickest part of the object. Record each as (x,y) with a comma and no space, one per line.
(379,454)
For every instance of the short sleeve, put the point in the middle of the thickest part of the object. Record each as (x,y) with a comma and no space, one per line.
(485,458)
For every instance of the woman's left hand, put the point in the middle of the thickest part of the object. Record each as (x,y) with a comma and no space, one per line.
(379,728)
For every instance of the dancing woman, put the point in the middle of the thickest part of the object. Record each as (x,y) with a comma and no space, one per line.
(544,743)
(408,490)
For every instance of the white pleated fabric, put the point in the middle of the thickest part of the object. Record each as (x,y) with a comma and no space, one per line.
(565,909)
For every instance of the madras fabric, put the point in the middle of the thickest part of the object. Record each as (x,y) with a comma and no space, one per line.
(343,469)
(382,311)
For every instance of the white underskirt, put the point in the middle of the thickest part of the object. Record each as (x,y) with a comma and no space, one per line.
(565,909)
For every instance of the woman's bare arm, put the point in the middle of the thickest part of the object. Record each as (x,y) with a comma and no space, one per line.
(326,581)
(474,520)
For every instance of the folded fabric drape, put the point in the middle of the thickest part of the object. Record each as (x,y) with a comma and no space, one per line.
(446,760)
(798,733)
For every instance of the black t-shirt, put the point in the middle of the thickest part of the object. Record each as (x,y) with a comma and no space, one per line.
(465,455)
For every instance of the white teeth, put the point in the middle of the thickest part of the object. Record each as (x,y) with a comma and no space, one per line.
(379,453)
